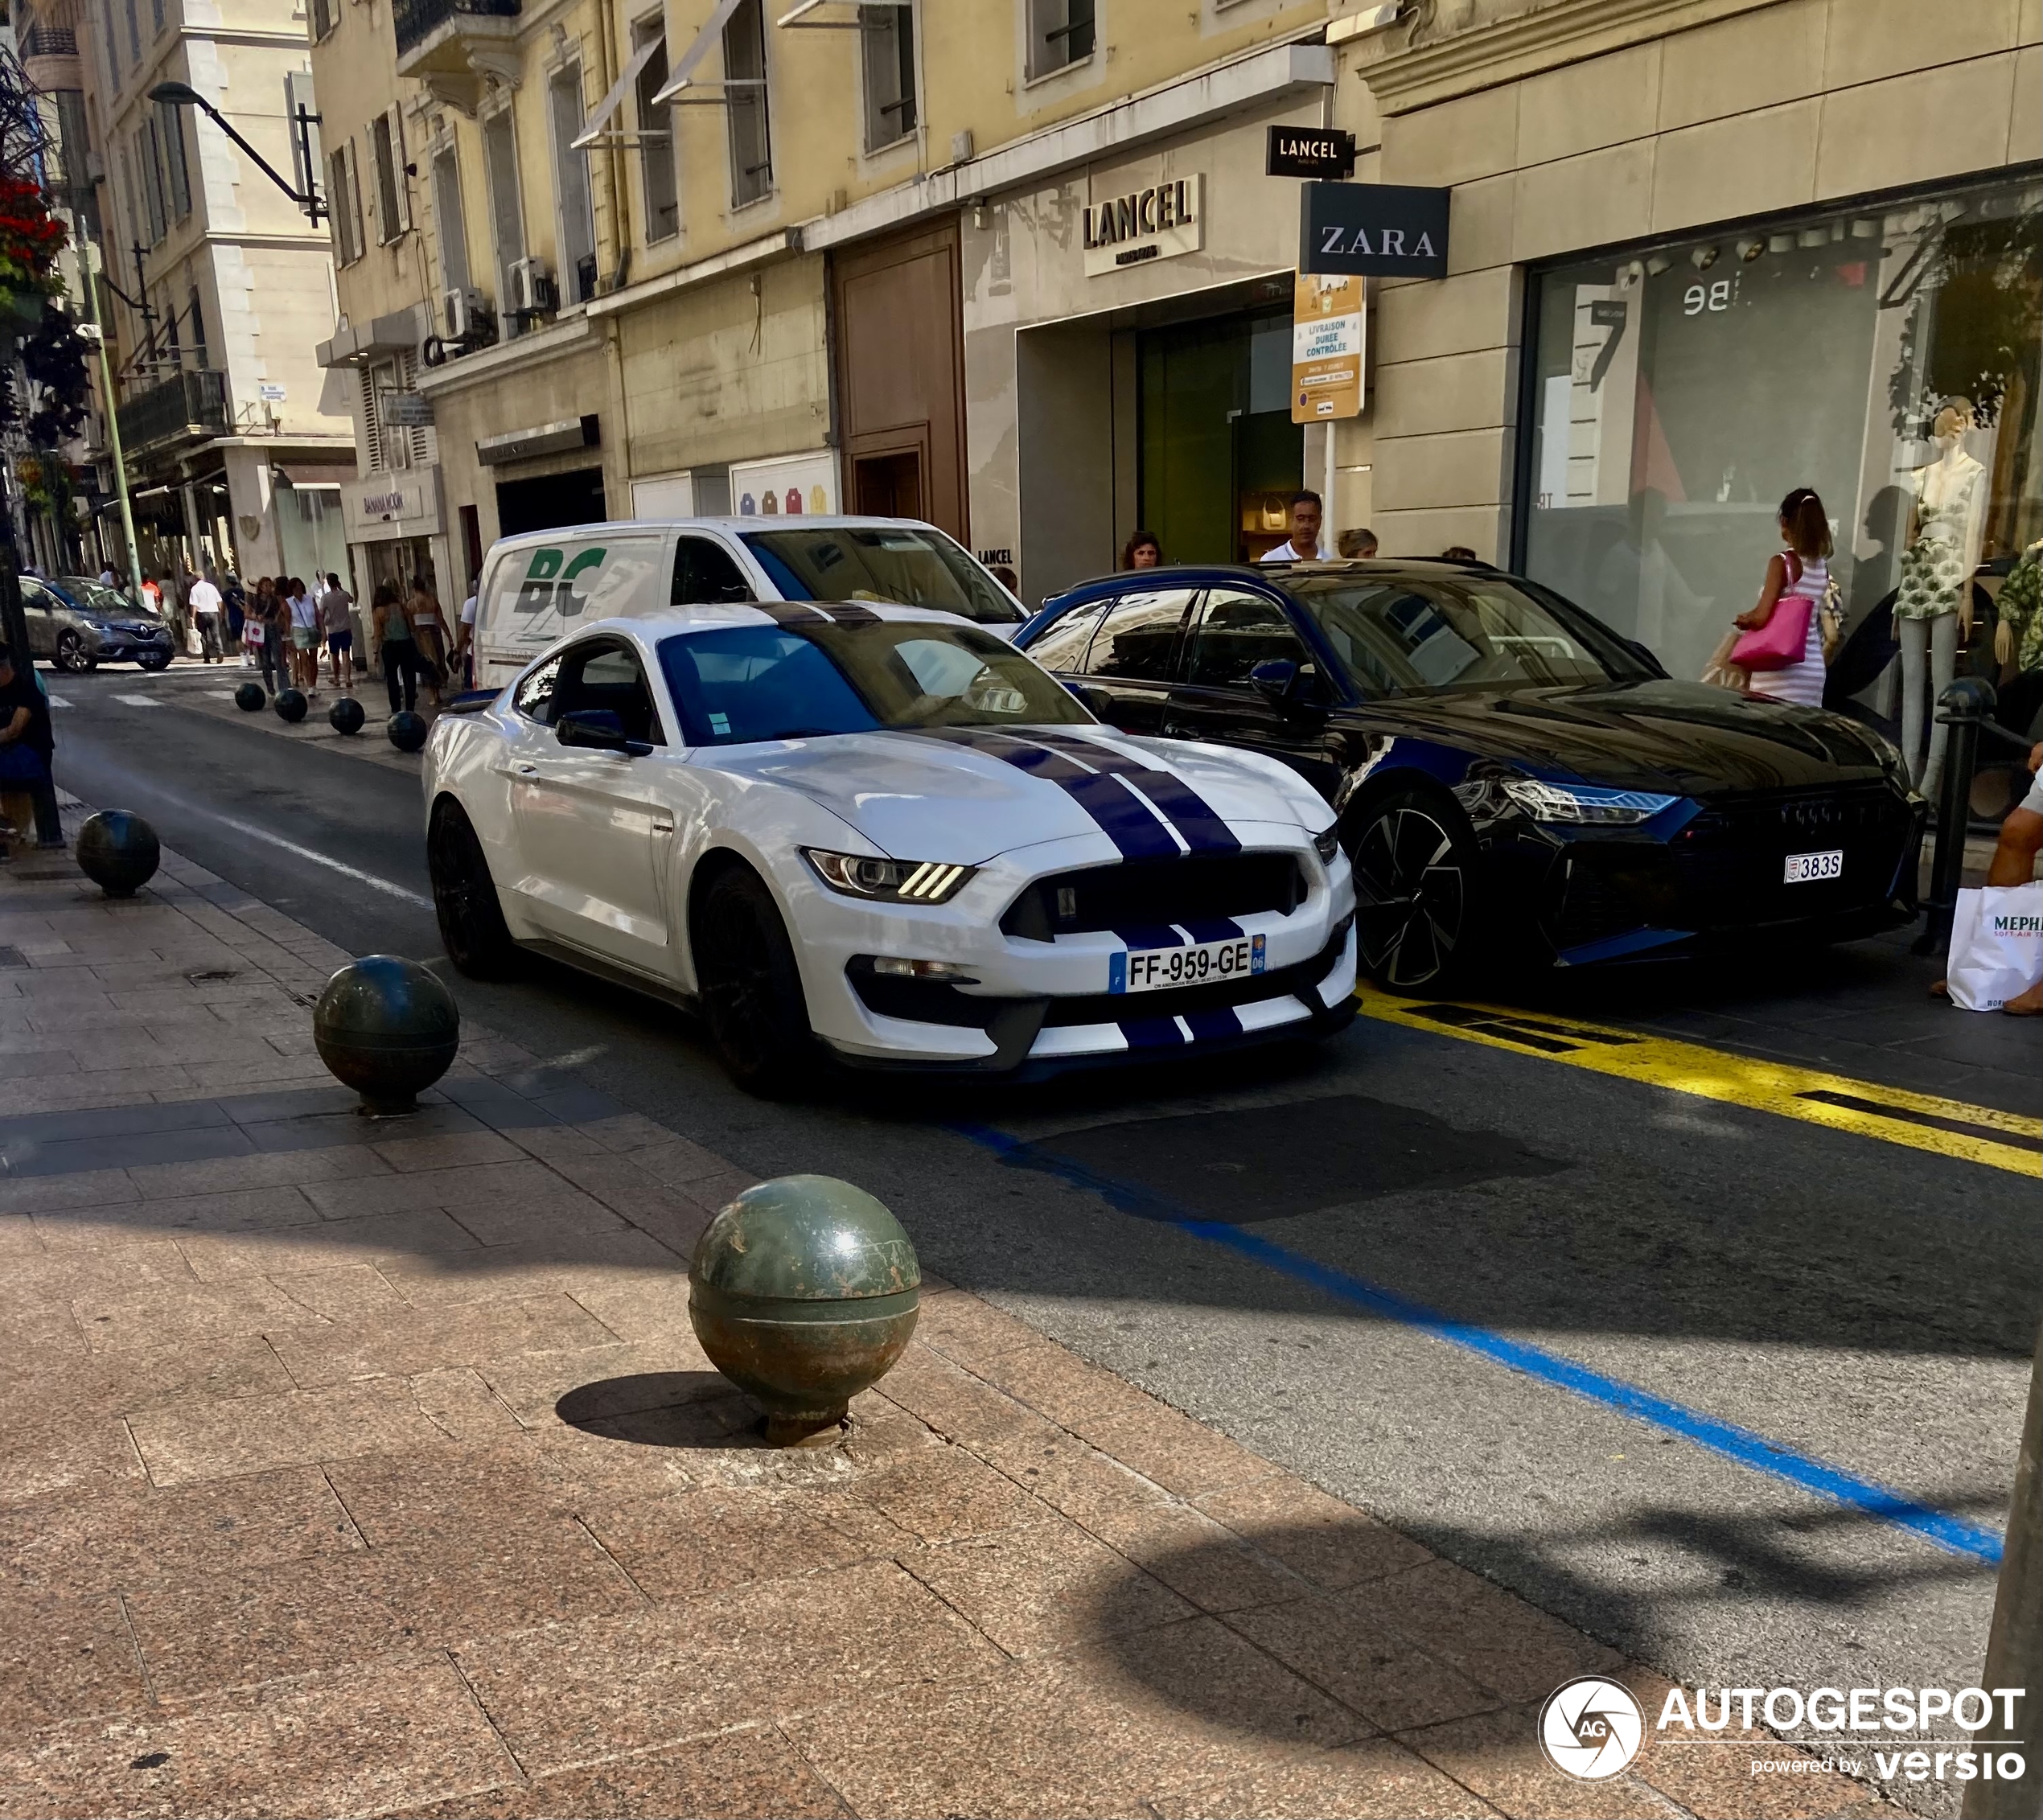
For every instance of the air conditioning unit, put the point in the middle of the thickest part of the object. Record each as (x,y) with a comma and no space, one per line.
(531,288)
(462,310)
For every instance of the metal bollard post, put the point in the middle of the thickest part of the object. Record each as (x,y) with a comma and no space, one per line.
(2014,1650)
(1964,708)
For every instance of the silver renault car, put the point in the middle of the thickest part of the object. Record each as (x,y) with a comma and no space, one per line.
(78,624)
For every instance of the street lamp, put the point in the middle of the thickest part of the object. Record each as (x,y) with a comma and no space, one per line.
(183,95)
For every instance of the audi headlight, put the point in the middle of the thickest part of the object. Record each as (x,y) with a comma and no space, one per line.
(894,881)
(1584,803)
(1327,843)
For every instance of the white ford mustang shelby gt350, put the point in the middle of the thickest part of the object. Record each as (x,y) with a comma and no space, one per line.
(881,834)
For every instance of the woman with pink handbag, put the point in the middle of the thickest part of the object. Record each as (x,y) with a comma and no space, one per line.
(1783,648)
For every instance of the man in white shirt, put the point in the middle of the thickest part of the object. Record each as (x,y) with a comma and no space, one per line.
(203,600)
(1303,545)
(467,647)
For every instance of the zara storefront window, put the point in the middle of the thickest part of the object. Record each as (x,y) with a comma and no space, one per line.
(1885,354)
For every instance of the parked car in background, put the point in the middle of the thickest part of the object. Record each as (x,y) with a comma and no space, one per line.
(1512,779)
(79,624)
(539,586)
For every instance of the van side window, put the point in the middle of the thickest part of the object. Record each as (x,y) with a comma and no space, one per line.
(705,572)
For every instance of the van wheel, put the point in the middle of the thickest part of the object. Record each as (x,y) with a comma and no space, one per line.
(751,988)
(472,928)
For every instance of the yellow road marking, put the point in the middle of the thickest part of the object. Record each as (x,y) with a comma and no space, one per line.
(1922,1121)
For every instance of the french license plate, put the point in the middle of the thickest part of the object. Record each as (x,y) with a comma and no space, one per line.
(1155,970)
(1803,868)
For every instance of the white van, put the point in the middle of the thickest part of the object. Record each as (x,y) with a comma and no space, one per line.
(538,585)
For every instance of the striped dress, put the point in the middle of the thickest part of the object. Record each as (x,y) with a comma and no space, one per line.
(1802,682)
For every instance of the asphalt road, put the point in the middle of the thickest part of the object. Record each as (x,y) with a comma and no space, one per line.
(1276,1236)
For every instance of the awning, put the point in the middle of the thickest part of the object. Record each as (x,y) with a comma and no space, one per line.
(713,29)
(611,102)
(302,479)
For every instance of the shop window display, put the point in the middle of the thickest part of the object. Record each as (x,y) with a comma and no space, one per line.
(1885,355)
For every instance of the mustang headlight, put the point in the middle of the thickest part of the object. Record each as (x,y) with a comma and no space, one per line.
(1584,802)
(1327,843)
(894,881)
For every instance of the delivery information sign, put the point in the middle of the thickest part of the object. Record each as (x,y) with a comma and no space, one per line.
(1326,349)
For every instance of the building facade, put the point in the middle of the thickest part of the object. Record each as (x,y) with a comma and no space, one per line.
(1701,253)
(220,287)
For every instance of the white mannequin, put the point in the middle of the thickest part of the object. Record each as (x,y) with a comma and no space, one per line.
(1933,613)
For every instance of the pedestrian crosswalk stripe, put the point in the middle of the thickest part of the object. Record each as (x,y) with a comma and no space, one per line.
(139,701)
(1950,1127)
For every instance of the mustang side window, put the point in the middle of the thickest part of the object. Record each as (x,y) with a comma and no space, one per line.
(1138,638)
(1234,633)
(535,695)
(606,678)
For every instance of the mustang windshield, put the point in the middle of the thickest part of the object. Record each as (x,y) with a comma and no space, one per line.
(737,684)
(893,563)
(1404,635)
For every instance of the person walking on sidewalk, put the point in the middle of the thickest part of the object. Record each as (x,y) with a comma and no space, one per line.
(28,747)
(305,636)
(465,633)
(430,632)
(203,598)
(1797,579)
(391,631)
(1302,545)
(337,613)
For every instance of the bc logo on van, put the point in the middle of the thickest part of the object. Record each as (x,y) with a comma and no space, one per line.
(550,587)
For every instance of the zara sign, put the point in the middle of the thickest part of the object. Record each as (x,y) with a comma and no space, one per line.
(1373,230)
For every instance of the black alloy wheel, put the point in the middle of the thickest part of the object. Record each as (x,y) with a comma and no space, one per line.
(751,987)
(1413,891)
(472,928)
(72,656)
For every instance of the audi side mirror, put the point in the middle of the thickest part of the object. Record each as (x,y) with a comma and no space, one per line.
(598,729)
(1275,680)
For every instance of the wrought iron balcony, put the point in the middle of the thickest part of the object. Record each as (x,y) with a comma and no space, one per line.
(188,405)
(423,24)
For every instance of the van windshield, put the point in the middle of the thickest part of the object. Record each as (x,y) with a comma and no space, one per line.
(734,684)
(893,563)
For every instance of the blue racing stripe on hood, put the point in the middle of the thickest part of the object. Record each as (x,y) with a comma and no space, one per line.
(1121,815)
(1181,806)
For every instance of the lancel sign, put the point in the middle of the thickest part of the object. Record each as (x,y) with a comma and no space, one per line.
(1158,223)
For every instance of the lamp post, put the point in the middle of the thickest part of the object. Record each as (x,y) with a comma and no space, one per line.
(183,95)
(98,336)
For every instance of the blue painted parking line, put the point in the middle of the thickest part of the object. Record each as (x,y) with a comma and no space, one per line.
(1724,1438)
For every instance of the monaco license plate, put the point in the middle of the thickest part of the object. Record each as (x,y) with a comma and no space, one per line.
(1202,963)
(1803,869)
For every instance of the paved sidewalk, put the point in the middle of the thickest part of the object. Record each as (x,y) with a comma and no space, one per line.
(358,1467)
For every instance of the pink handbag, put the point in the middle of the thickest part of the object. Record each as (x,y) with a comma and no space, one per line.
(1783,640)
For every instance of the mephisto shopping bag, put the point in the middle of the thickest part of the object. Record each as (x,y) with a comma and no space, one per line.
(1996,945)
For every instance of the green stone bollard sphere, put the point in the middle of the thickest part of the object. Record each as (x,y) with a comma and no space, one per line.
(388,1028)
(407,731)
(290,705)
(346,715)
(118,852)
(803,1292)
(250,699)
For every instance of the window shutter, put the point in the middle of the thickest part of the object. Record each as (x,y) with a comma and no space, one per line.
(401,183)
(372,430)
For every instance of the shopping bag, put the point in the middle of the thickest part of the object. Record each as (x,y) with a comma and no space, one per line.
(1720,671)
(1996,945)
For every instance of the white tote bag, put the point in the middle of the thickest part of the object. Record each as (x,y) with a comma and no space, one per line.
(1996,945)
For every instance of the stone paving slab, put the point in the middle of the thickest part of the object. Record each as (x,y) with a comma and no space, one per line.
(355,1467)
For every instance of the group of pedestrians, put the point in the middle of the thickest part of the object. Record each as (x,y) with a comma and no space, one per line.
(1304,520)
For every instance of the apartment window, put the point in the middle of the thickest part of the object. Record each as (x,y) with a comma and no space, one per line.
(887,36)
(344,199)
(170,129)
(657,167)
(1060,33)
(578,244)
(173,348)
(195,314)
(113,43)
(305,161)
(745,96)
(448,220)
(156,15)
(324,15)
(134,34)
(150,165)
(507,210)
(393,210)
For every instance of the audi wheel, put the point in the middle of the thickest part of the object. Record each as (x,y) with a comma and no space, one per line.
(1414,876)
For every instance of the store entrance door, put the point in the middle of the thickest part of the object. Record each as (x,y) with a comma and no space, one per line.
(1220,456)
(888,486)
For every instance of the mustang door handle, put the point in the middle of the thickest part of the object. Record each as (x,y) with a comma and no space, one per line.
(661,825)
(526,770)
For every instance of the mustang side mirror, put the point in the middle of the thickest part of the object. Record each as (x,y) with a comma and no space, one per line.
(598,729)
(1275,680)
